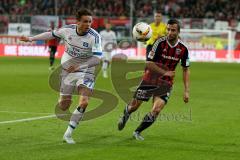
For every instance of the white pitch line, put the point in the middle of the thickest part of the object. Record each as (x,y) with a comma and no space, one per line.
(28,119)
(15,112)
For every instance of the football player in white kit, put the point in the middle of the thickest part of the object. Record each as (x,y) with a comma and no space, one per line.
(109,42)
(82,46)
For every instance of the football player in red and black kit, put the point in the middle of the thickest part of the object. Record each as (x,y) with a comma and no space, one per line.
(157,80)
(52,46)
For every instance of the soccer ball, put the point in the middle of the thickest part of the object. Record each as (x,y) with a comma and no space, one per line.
(142,32)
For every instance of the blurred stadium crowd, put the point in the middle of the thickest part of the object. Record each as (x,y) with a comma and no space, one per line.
(217,9)
(217,22)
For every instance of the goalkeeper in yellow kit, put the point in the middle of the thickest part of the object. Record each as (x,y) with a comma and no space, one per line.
(159,29)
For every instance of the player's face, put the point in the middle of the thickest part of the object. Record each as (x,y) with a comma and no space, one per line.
(85,23)
(158,17)
(108,26)
(172,32)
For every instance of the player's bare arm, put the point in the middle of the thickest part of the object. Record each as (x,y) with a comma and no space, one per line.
(186,84)
(43,36)
(152,66)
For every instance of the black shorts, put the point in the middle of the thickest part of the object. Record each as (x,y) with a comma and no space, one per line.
(52,49)
(145,91)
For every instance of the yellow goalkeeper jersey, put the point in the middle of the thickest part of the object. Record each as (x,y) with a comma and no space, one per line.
(157,31)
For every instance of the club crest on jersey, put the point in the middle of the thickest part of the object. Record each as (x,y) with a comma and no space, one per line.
(85,44)
(178,51)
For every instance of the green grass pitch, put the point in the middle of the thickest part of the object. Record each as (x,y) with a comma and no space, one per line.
(207,128)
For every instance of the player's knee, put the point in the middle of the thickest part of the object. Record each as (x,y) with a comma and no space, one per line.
(134,104)
(158,105)
(156,110)
(84,102)
(64,104)
(105,61)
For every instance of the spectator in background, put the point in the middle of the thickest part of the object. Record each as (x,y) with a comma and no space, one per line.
(142,8)
(159,29)
(52,45)
(109,42)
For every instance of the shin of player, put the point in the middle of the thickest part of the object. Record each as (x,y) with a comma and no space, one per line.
(78,113)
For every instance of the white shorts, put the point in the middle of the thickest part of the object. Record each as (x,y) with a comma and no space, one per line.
(71,81)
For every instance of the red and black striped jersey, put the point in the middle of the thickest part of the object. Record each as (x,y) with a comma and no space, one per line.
(166,56)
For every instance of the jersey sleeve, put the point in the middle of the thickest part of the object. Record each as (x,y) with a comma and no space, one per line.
(185,62)
(151,53)
(58,33)
(97,48)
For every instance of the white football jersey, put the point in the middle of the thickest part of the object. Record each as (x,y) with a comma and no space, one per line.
(108,37)
(79,49)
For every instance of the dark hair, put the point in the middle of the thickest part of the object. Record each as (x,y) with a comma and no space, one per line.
(82,12)
(174,21)
(158,11)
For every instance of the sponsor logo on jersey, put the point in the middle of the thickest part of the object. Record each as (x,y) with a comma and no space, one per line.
(169,57)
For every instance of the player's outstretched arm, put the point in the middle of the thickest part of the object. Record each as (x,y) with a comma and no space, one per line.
(25,39)
(42,36)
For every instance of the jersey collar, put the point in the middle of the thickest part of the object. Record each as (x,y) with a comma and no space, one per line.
(172,46)
(82,34)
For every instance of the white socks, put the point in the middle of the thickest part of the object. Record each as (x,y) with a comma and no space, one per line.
(104,69)
(75,118)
